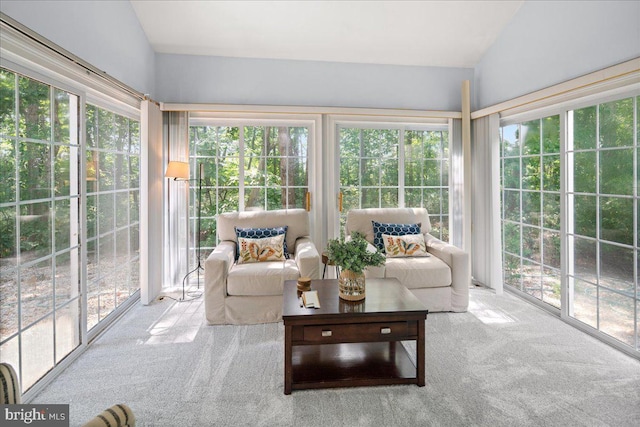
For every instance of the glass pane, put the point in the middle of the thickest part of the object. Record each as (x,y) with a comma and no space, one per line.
(299,198)
(106,258)
(121,176)
(134,137)
(298,142)
(584,215)
(61,127)
(616,123)
(35,110)
(62,225)
(7,170)
(585,303)
(67,274)
(551,289)
(349,143)
(8,237)
(36,291)
(105,171)
(67,329)
(107,297)
(585,259)
(91,117)
(530,137)
(551,134)
(584,128)
(584,172)
(134,172)
(616,216)
(531,173)
(551,175)
(35,230)
(134,206)
(228,168)
(106,123)
(106,220)
(8,303)
(511,237)
(510,140)
(389,173)
(254,198)
(531,243)
(122,209)
(35,171)
(134,244)
(551,247)
(350,199)
(433,200)
(349,172)
(370,172)
(370,197)
(92,260)
(39,359)
(8,104)
(616,171)
(389,198)
(616,316)
(228,199)
(512,271)
(380,143)
(298,175)
(531,207)
(62,172)
(532,279)
(551,211)
(121,133)
(511,173)
(413,197)
(276,171)
(432,172)
(616,268)
(511,205)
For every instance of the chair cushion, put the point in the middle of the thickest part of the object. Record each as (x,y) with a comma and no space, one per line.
(409,245)
(261,250)
(262,278)
(428,272)
(392,229)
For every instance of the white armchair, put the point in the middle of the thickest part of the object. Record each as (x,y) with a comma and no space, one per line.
(441,281)
(252,293)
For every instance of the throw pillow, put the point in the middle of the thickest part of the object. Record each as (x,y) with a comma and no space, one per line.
(260,250)
(380,228)
(260,233)
(409,245)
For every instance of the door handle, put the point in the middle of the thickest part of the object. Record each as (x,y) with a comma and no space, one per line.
(340,201)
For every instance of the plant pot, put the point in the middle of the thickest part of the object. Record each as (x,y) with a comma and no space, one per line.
(351,285)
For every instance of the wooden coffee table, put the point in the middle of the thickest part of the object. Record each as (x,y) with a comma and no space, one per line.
(347,344)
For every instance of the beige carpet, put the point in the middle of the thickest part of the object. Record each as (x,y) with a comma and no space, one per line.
(503,363)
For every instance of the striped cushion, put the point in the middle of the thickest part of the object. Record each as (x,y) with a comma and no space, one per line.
(116,416)
(9,385)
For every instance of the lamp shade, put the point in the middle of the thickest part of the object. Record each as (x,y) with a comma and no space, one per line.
(177,170)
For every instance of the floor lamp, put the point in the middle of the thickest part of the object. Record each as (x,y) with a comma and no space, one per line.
(179,171)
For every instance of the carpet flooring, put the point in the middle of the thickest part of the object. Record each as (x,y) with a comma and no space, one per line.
(503,363)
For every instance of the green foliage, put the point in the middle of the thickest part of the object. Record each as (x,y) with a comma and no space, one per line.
(352,254)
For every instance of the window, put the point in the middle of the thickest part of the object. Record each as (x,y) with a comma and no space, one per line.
(113,200)
(39,243)
(404,166)
(594,280)
(530,164)
(246,167)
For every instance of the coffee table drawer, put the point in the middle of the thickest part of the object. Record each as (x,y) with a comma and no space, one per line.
(356,332)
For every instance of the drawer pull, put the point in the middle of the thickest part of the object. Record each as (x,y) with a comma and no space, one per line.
(385,331)
(326,333)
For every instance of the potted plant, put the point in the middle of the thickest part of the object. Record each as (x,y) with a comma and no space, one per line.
(353,256)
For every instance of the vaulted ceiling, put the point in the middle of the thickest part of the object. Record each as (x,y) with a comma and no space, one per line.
(420,33)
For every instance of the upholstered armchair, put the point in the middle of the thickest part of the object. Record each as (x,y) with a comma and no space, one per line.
(239,288)
(119,415)
(440,278)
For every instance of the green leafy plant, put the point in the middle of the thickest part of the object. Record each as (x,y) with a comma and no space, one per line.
(352,254)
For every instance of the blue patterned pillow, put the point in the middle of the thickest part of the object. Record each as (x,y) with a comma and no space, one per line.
(380,228)
(260,233)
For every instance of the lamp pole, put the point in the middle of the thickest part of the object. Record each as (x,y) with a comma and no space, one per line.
(199,267)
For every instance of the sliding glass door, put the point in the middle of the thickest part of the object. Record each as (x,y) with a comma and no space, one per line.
(574,243)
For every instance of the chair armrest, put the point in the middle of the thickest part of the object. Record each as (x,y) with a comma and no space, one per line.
(119,415)
(216,269)
(307,258)
(459,262)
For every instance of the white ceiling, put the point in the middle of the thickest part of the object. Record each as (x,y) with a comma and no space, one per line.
(423,33)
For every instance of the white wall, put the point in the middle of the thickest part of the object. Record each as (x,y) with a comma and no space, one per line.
(106,34)
(553,41)
(206,79)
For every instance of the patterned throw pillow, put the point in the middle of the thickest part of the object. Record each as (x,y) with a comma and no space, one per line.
(409,245)
(260,250)
(260,233)
(380,228)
